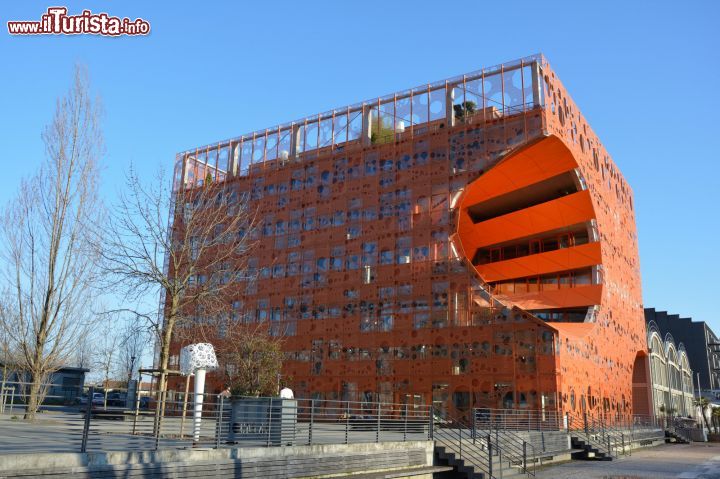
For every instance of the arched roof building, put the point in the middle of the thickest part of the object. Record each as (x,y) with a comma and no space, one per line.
(672,384)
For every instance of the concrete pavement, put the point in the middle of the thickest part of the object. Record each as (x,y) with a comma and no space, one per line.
(681,461)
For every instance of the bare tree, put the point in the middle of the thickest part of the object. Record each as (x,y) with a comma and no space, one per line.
(48,262)
(185,246)
(107,353)
(251,360)
(84,356)
(132,346)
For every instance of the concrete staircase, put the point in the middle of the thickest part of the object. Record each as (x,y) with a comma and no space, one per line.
(588,451)
(466,468)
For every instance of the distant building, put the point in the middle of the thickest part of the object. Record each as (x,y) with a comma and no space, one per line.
(66,384)
(701,343)
(672,383)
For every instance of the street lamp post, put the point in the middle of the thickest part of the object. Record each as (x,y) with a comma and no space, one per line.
(197,359)
(130,371)
(699,390)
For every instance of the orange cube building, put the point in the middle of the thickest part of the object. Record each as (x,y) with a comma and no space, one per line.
(466,243)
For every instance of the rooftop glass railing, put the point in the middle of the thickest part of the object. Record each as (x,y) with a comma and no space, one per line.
(501,90)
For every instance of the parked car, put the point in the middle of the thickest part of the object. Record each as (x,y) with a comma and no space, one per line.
(116,399)
(98,399)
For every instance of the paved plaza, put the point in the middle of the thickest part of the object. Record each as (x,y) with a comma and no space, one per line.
(683,461)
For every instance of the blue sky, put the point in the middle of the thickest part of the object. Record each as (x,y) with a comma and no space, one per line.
(645,75)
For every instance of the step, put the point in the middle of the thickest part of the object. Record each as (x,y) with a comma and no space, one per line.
(457,464)
(467,468)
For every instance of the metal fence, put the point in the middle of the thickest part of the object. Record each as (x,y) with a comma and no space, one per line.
(615,435)
(612,434)
(518,419)
(95,421)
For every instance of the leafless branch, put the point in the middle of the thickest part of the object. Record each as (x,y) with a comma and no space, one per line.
(187,247)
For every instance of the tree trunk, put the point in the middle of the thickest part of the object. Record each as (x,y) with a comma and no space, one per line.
(33,400)
(704,416)
(166,337)
(165,353)
(33,397)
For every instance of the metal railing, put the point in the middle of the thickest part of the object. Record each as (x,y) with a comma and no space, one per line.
(516,450)
(614,435)
(462,440)
(504,426)
(490,451)
(518,419)
(87,419)
(590,430)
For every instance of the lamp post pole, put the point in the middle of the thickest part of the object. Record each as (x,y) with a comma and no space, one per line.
(698,381)
(197,412)
(130,371)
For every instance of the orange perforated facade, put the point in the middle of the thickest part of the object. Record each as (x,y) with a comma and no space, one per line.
(464,243)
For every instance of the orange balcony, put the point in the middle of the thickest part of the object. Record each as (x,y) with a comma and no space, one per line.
(567,210)
(565,259)
(531,165)
(576,297)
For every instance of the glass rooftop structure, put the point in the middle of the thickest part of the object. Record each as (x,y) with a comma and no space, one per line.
(501,90)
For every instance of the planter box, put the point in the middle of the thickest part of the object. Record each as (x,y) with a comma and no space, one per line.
(264,421)
(696,434)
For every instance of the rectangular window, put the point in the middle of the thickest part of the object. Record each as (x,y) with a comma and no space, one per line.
(421,320)
(506,288)
(403,256)
(534,247)
(386,322)
(564,241)
(386,257)
(549,283)
(353,262)
(550,244)
(509,252)
(336,264)
(353,232)
(582,278)
(580,238)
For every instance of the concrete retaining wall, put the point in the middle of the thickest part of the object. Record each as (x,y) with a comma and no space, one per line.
(291,461)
